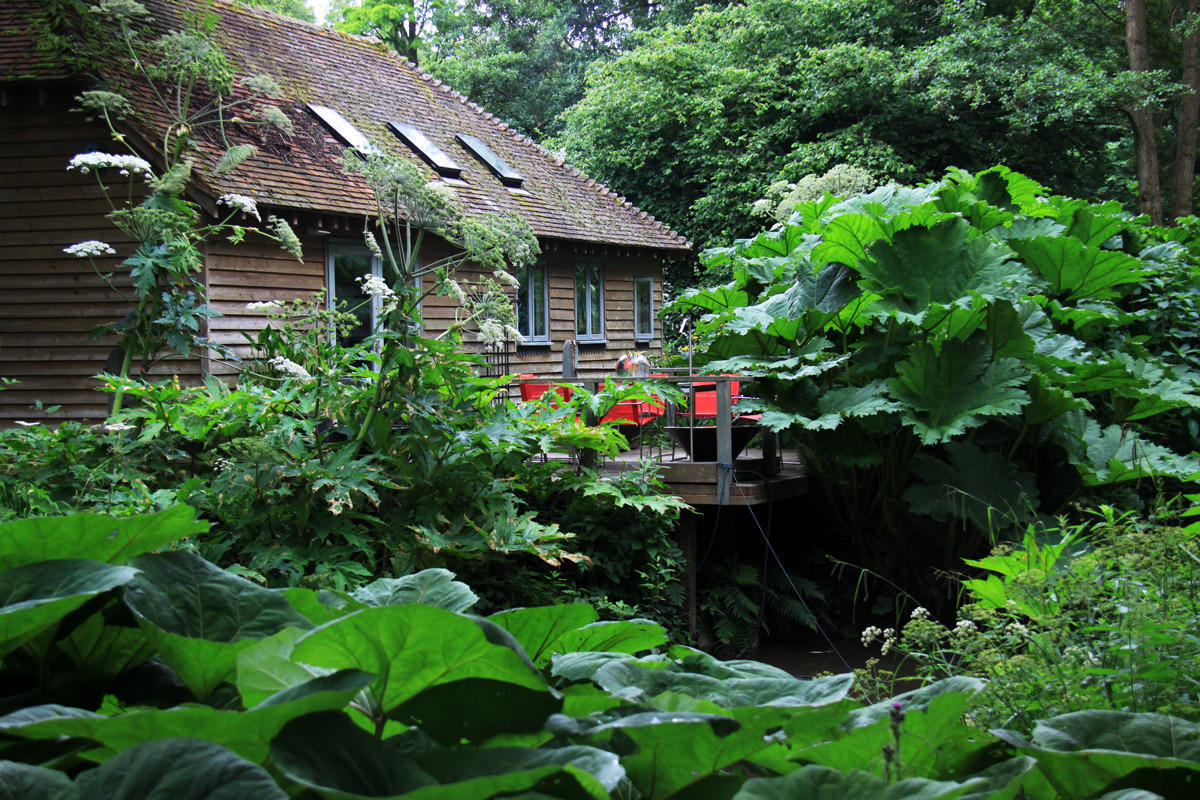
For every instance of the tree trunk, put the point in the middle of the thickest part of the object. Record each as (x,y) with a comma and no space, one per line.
(1141,117)
(1184,170)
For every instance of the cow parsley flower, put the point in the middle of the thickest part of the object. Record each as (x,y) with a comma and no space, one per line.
(289,368)
(89,249)
(117,427)
(247,205)
(86,162)
(506,278)
(375,286)
(373,245)
(266,306)
(920,612)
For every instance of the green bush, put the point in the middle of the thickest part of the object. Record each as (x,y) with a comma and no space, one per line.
(131,671)
(1100,616)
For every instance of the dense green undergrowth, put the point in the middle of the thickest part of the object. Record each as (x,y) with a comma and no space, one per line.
(136,672)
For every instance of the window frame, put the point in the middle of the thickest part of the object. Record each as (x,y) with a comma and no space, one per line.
(590,303)
(336,247)
(527,316)
(638,334)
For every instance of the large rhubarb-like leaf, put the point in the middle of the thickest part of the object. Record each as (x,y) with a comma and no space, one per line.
(34,597)
(95,537)
(946,393)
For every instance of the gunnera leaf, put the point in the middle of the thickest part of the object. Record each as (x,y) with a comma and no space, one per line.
(946,393)
(975,485)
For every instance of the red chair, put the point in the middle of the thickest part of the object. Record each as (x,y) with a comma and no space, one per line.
(705,403)
(532,389)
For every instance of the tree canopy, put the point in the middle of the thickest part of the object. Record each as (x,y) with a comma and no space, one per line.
(698,119)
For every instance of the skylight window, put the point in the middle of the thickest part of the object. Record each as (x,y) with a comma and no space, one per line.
(507,175)
(342,128)
(433,155)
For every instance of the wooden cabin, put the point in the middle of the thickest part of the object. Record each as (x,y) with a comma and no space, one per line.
(599,274)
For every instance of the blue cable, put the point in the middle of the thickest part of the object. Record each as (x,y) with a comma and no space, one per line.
(782,568)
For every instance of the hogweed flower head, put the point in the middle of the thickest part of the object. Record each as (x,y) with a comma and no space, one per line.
(267,306)
(289,368)
(375,286)
(86,162)
(89,249)
(247,205)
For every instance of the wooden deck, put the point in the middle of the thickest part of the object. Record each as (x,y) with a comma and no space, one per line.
(698,483)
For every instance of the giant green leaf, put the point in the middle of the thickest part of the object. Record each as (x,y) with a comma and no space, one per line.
(822,783)
(178,769)
(329,753)
(846,238)
(103,649)
(247,733)
(1086,753)
(34,597)
(970,483)
(410,648)
(1114,454)
(94,537)
(1076,271)
(923,266)
(27,782)
(934,742)
(266,667)
(200,616)
(539,629)
(664,752)
(435,587)
(946,393)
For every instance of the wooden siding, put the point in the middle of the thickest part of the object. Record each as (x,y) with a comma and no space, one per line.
(596,359)
(256,270)
(50,301)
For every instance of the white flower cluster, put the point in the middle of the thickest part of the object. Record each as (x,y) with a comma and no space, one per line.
(86,162)
(25,424)
(762,207)
(90,248)
(265,306)
(870,634)
(456,291)
(247,205)
(964,627)
(1016,629)
(373,245)
(222,464)
(506,278)
(117,427)
(375,286)
(289,368)
(920,612)
(494,332)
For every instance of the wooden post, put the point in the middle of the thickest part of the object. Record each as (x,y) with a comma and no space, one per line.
(770,453)
(724,440)
(687,543)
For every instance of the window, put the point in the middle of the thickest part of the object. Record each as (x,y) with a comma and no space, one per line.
(643,309)
(344,264)
(533,304)
(342,128)
(589,303)
(433,155)
(499,167)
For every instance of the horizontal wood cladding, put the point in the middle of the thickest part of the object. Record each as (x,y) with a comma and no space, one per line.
(50,302)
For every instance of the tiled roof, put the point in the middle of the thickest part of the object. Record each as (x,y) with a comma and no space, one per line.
(371,86)
(20,58)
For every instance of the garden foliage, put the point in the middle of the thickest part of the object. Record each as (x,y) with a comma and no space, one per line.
(133,672)
(962,357)
(1102,615)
